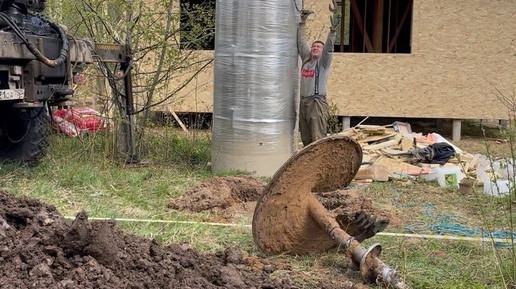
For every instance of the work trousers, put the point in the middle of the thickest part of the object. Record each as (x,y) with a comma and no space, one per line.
(313,118)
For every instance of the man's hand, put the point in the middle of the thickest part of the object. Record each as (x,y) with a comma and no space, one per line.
(305,14)
(334,22)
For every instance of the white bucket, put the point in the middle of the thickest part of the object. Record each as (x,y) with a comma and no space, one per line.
(500,188)
(448,177)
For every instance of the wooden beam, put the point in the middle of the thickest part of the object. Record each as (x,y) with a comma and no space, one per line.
(398,29)
(360,24)
(389,9)
(181,124)
(378,26)
(364,16)
(376,172)
(342,24)
(395,141)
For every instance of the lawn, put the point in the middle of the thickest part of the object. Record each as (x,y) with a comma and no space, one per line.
(79,174)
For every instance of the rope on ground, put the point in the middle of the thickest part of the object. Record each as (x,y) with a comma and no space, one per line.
(499,238)
(446,228)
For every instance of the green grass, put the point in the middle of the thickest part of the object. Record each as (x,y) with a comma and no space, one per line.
(204,237)
(80,174)
(434,263)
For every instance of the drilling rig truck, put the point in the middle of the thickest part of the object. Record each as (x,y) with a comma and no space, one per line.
(37,59)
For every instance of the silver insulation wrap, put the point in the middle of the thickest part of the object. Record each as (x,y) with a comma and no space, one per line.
(255,85)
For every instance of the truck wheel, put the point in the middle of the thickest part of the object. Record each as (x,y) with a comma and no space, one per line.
(24,134)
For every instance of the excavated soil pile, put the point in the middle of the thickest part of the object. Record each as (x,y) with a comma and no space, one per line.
(350,202)
(40,249)
(219,193)
(229,193)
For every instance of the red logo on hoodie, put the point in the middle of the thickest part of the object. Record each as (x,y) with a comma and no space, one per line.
(308,73)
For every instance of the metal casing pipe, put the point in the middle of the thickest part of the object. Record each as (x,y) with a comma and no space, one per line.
(255,85)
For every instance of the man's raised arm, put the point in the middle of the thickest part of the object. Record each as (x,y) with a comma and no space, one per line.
(302,45)
(327,54)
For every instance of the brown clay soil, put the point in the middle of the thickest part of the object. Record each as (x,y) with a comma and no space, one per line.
(219,193)
(40,249)
(233,195)
(348,202)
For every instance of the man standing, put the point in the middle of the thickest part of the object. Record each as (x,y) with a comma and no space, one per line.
(313,110)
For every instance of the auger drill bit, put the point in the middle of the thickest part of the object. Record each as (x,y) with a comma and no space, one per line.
(289,219)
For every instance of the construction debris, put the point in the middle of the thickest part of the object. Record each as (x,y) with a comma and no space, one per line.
(393,152)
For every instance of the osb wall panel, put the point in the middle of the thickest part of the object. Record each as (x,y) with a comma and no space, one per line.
(463,55)
(197,96)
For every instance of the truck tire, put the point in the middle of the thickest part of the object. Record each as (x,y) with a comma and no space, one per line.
(24,134)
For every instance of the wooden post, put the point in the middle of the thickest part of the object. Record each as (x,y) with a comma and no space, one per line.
(378,26)
(342,24)
(456,131)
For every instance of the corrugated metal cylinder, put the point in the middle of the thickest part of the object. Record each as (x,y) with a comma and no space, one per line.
(255,82)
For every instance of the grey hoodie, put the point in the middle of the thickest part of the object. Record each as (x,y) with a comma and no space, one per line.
(307,87)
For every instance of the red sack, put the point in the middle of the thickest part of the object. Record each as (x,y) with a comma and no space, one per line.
(78,121)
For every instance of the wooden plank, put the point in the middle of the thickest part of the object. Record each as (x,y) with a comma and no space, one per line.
(393,152)
(378,25)
(373,138)
(359,135)
(471,164)
(406,143)
(348,132)
(417,171)
(371,128)
(395,166)
(375,172)
(369,158)
(178,120)
(393,142)
(342,30)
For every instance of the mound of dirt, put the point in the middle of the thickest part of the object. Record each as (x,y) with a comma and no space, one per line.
(355,213)
(239,194)
(40,249)
(219,193)
(350,202)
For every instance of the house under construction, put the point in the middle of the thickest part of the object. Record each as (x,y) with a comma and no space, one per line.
(436,59)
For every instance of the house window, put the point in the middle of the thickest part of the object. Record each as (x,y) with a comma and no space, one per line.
(375,26)
(197,24)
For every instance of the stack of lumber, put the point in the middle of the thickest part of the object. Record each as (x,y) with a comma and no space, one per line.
(387,153)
